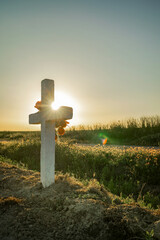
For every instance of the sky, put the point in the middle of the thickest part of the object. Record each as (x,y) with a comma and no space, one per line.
(104,56)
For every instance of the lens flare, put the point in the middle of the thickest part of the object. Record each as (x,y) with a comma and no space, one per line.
(103,138)
(104,141)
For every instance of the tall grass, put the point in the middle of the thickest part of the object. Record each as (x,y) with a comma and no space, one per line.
(23,152)
(124,172)
(17,135)
(142,131)
(134,131)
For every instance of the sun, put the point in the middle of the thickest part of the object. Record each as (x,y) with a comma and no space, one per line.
(62,99)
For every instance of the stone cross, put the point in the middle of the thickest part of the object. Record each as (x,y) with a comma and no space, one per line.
(47,118)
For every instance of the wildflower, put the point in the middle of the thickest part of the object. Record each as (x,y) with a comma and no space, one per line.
(38,105)
(61,131)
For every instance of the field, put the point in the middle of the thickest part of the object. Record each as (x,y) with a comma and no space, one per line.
(123,181)
(131,173)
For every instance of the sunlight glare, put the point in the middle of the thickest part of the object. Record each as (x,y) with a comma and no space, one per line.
(62,99)
(55,105)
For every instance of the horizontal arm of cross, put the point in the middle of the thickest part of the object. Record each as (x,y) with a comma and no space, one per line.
(63,113)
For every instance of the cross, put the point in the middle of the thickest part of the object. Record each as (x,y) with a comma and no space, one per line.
(47,118)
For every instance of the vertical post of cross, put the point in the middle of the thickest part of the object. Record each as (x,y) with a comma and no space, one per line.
(47,135)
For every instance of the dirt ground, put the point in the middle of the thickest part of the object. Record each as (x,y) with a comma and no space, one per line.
(67,210)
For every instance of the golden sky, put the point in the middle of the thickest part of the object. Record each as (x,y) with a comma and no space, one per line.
(103,55)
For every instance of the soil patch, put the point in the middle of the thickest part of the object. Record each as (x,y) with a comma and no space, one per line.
(67,210)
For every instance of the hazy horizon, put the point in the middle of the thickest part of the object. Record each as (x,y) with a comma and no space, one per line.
(104,57)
